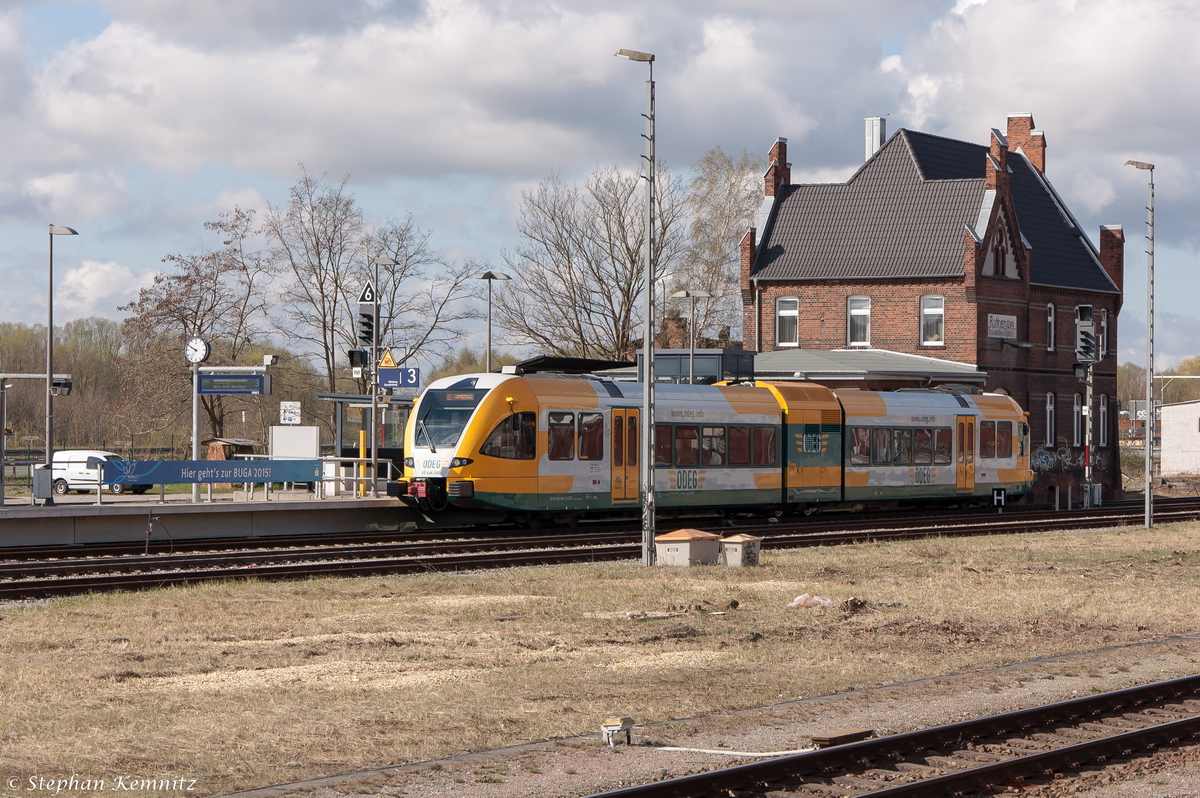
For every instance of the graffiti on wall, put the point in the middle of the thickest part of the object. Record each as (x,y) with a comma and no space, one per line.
(1064,459)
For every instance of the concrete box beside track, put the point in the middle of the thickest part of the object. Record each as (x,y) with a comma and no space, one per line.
(741,551)
(688,547)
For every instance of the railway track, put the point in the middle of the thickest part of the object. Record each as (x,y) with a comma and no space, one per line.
(996,754)
(422,551)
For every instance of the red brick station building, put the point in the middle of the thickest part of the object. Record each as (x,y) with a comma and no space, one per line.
(956,251)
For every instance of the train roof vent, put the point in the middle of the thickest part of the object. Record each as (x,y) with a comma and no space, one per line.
(511,370)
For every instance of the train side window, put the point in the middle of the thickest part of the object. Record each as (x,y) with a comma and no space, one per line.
(562,436)
(922,446)
(1004,435)
(765,448)
(1023,439)
(618,441)
(712,446)
(631,450)
(970,443)
(902,446)
(514,438)
(881,445)
(943,446)
(687,445)
(860,446)
(591,436)
(739,446)
(662,444)
(962,443)
(987,438)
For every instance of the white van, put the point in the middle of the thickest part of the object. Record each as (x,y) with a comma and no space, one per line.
(79,469)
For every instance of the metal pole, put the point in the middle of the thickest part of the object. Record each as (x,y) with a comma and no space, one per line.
(374,385)
(3,437)
(1087,439)
(692,346)
(648,344)
(488,355)
(195,426)
(49,502)
(1149,482)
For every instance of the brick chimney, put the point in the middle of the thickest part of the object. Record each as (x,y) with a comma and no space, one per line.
(1112,253)
(1023,136)
(748,250)
(779,173)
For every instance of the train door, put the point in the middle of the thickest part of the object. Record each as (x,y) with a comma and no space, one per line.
(624,455)
(965,462)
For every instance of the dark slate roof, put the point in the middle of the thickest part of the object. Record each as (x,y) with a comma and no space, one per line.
(904,212)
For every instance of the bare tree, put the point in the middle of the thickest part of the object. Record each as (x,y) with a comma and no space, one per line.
(580,268)
(219,295)
(419,307)
(723,194)
(318,241)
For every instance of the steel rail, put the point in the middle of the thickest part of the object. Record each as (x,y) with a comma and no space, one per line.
(784,775)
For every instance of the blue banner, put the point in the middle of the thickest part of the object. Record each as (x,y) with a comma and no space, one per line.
(190,472)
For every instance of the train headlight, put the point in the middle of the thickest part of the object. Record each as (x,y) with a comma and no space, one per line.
(459,462)
(409,462)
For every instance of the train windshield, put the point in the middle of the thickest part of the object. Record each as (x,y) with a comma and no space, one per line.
(443,415)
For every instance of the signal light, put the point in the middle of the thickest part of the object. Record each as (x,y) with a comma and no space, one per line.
(1086,351)
(366,327)
(358,358)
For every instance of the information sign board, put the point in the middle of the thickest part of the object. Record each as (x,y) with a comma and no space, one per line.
(254,384)
(289,412)
(192,472)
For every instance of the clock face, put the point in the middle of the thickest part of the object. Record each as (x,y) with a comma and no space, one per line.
(197,350)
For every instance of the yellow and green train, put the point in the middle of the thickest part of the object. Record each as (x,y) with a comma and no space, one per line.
(508,447)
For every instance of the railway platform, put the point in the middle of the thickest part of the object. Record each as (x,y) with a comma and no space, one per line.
(79,520)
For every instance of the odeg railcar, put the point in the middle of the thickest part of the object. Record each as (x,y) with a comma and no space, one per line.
(542,448)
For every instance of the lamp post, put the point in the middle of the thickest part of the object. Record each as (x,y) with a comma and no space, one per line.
(1149,482)
(490,276)
(374,381)
(647,459)
(4,386)
(55,230)
(691,297)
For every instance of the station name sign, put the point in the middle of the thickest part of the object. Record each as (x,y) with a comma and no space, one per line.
(1002,326)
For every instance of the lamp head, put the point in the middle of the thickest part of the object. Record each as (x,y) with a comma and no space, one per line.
(1140,165)
(59,230)
(634,55)
(491,276)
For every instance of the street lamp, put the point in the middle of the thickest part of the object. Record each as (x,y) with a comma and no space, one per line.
(374,380)
(55,230)
(490,276)
(1148,483)
(647,466)
(691,297)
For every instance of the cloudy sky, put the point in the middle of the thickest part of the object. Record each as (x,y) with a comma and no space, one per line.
(134,121)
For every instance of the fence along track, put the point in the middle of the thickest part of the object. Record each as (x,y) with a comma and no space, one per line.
(984,755)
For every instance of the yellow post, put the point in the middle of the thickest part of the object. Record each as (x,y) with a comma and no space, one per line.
(361,487)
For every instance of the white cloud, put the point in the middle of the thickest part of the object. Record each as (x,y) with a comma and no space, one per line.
(78,196)
(1092,191)
(96,288)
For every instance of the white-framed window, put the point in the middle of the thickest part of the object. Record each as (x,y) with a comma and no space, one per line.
(1049,419)
(1104,332)
(1104,419)
(858,321)
(1049,328)
(1078,421)
(933,320)
(787,321)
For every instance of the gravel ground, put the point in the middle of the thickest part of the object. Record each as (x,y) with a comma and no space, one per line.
(582,766)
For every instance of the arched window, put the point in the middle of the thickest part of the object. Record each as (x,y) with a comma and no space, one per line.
(1049,419)
(787,321)
(1103,419)
(858,321)
(1078,421)
(933,320)
(1049,328)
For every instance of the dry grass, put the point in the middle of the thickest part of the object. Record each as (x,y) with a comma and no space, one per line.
(240,685)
